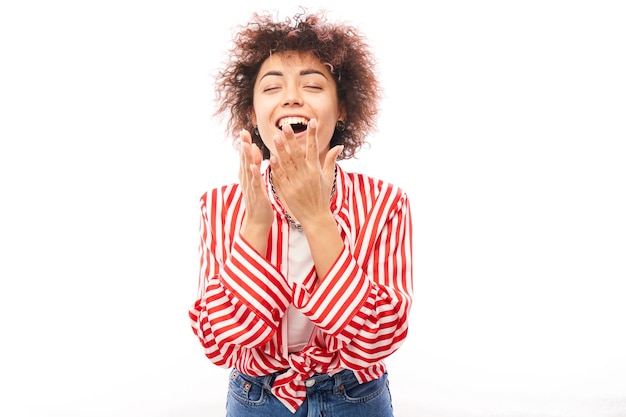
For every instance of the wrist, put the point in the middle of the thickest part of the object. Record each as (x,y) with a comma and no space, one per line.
(318,222)
(255,234)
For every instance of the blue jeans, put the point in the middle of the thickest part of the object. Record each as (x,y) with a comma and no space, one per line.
(339,395)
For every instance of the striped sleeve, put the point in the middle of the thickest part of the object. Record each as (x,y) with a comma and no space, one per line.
(364,301)
(241,296)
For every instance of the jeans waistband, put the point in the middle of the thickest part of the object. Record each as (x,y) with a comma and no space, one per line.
(268,380)
(317,382)
(338,381)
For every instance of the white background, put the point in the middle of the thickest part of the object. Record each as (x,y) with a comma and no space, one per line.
(505,121)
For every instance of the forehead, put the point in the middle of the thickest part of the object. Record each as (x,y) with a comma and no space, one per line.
(293,61)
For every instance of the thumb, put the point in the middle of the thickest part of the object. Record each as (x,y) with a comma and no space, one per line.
(329,161)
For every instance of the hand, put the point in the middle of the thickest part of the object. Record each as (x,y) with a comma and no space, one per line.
(300,179)
(259,211)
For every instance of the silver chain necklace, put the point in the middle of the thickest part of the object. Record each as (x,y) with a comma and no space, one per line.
(294,224)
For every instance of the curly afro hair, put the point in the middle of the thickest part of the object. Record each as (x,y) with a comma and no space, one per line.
(339,45)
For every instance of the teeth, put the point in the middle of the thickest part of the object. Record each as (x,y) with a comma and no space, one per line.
(292,121)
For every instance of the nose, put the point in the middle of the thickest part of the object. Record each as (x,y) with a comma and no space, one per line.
(292,96)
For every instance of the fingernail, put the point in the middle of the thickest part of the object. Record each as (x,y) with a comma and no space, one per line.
(313,123)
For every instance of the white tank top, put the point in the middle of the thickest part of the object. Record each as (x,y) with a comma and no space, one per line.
(299,327)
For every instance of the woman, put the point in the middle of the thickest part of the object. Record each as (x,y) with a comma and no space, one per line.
(305,269)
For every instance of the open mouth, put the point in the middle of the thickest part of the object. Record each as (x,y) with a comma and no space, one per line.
(298,124)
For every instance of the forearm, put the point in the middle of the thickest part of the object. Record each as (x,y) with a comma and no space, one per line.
(244,300)
(366,298)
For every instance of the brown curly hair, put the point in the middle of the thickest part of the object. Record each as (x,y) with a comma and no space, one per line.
(340,45)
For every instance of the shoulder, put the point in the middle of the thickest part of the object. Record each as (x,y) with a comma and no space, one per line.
(221,195)
(367,186)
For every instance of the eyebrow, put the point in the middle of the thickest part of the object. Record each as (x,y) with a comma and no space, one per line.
(303,72)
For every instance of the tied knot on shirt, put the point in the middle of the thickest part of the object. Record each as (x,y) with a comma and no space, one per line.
(310,360)
(289,387)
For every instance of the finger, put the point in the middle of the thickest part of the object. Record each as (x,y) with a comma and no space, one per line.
(246,156)
(255,175)
(255,163)
(244,164)
(329,161)
(282,158)
(242,156)
(276,171)
(292,144)
(311,140)
(245,136)
(257,156)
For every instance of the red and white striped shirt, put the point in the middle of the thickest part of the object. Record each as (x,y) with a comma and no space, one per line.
(360,309)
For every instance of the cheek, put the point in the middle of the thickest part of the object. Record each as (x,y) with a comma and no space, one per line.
(261,110)
(328,116)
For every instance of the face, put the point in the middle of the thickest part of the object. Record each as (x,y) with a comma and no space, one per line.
(292,88)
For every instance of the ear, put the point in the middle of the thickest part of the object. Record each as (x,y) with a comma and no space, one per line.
(342,112)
